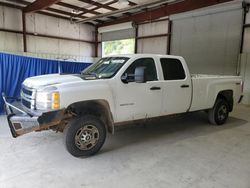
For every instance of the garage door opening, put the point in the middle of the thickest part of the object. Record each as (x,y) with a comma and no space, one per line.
(116,47)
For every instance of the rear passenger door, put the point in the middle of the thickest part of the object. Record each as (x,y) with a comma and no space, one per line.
(176,86)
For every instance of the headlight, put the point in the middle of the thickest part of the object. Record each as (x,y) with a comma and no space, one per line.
(48,100)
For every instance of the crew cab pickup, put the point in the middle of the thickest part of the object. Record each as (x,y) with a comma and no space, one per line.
(114,91)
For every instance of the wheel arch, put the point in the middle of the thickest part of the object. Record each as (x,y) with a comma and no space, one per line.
(98,108)
(228,96)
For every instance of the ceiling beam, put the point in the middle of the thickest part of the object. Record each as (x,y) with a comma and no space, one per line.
(99,21)
(127,14)
(131,3)
(53,15)
(127,9)
(166,10)
(106,4)
(62,12)
(39,5)
(11,5)
(112,17)
(73,7)
(100,5)
(39,12)
(68,14)
(23,2)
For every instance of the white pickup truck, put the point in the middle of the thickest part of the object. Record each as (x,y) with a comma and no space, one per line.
(117,90)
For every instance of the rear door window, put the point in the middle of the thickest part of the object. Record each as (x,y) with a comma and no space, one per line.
(172,69)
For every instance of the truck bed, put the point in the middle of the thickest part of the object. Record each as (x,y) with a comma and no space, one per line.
(205,88)
(206,76)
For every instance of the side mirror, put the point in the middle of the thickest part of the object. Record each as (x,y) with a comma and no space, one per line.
(140,75)
(124,78)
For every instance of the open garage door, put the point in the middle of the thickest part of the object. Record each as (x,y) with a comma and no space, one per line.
(209,39)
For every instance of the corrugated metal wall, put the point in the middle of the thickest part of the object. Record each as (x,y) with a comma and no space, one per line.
(245,63)
(157,45)
(36,23)
(209,39)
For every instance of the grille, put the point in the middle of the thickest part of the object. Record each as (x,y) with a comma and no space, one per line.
(27,104)
(28,97)
(27,91)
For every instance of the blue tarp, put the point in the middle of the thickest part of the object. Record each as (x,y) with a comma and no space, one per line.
(66,67)
(15,69)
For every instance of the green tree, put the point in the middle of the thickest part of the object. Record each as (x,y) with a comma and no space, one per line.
(125,46)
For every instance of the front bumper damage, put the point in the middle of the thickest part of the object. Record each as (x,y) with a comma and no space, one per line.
(22,121)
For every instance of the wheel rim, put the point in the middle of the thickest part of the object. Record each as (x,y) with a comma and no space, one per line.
(86,137)
(222,113)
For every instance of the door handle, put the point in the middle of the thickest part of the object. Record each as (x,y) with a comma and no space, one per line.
(155,88)
(184,86)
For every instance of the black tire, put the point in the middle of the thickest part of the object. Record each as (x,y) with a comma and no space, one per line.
(80,132)
(218,115)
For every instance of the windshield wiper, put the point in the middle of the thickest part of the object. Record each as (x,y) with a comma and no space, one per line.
(90,75)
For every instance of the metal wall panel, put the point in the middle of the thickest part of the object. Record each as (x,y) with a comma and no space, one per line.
(246,46)
(11,18)
(157,45)
(152,45)
(209,40)
(154,28)
(245,73)
(118,35)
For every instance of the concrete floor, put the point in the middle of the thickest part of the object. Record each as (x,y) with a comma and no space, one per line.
(181,152)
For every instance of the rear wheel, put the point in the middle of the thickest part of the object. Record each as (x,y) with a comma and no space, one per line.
(219,113)
(84,136)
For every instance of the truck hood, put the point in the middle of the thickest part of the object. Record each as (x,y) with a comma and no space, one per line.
(51,79)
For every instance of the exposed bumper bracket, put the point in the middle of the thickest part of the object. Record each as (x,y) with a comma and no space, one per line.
(21,122)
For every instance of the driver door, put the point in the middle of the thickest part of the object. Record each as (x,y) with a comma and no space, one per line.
(139,100)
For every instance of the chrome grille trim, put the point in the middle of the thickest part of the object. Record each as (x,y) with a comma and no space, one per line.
(28,97)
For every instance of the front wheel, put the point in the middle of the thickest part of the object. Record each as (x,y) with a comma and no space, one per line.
(219,113)
(84,136)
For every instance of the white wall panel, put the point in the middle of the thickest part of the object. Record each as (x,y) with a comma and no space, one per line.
(154,28)
(46,45)
(11,18)
(11,42)
(209,41)
(2,36)
(31,44)
(246,47)
(69,47)
(246,44)
(86,49)
(99,49)
(1,16)
(87,32)
(46,25)
(248,18)
(245,73)
(69,30)
(152,45)
(157,45)
(118,35)
(30,23)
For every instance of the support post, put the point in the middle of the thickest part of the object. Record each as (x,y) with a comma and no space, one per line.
(96,42)
(136,39)
(169,37)
(24,32)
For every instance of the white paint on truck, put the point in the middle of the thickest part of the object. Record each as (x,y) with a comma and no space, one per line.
(133,101)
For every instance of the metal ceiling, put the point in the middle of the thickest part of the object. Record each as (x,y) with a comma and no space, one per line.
(88,11)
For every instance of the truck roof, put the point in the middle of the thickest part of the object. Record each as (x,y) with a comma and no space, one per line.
(145,55)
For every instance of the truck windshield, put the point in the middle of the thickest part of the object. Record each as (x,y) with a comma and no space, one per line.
(105,68)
